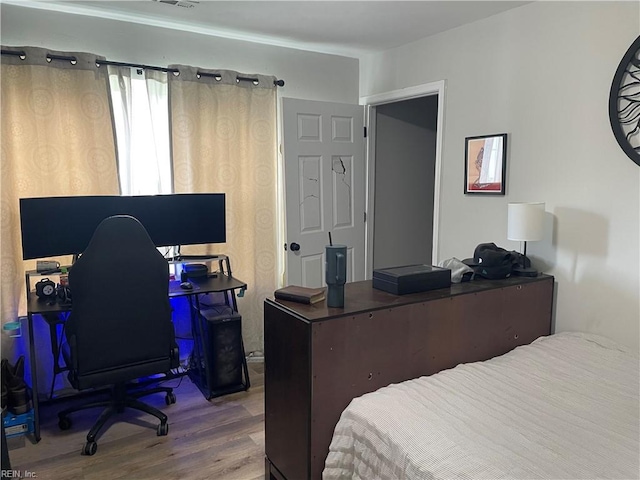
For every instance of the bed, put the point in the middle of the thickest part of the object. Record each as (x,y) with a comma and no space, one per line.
(565,406)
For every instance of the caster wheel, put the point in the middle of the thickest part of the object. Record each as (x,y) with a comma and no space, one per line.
(90,448)
(64,423)
(163,429)
(170,398)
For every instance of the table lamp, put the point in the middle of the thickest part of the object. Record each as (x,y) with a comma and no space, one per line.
(525,223)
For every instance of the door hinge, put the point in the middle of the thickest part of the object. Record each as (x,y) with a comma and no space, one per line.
(365,132)
(365,217)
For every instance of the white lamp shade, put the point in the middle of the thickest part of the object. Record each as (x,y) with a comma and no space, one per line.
(525,222)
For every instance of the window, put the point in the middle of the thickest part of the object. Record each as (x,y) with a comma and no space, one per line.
(141,117)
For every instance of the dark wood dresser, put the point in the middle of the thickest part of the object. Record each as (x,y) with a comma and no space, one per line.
(317,358)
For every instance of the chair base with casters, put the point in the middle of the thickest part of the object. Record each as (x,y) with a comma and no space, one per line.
(120,399)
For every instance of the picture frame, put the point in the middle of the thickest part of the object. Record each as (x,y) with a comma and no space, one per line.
(485,164)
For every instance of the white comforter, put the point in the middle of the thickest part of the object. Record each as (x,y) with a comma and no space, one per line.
(565,406)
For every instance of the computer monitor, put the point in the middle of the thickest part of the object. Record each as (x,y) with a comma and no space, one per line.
(53,226)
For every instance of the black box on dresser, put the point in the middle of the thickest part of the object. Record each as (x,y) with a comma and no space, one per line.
(411,279)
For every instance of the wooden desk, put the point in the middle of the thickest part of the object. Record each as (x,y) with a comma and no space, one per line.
(317,358)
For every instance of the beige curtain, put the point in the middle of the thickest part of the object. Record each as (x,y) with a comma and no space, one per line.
(57,140)
(224,140)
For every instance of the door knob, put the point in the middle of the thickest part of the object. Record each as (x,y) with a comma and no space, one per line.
(294,247)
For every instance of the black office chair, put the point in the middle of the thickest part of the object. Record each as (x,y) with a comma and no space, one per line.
(120,325)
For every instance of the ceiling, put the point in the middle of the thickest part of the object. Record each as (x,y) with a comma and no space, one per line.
(349,28)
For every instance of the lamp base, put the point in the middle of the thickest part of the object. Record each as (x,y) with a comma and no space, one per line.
(524,271)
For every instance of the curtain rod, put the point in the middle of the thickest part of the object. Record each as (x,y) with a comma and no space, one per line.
(21,54)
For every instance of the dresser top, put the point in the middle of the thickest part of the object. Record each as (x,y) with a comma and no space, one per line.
(362,297)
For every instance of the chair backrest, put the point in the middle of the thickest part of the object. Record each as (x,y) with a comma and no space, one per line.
(120,314)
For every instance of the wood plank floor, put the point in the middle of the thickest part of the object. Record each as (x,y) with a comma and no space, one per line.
(218,439)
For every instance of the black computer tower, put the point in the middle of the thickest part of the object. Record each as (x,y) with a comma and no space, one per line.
(217,364)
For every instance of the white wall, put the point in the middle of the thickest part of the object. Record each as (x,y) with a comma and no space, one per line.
(540,73)
(313,76)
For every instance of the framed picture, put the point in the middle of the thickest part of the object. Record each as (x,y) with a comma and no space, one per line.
(485,164)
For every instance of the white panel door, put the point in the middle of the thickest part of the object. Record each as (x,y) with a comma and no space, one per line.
(325,187)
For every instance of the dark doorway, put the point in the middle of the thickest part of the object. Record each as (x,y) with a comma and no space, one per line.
(405,153)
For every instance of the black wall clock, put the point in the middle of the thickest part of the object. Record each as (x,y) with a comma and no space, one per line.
(624,103)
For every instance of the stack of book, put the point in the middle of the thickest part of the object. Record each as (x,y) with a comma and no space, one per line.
(294,293)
